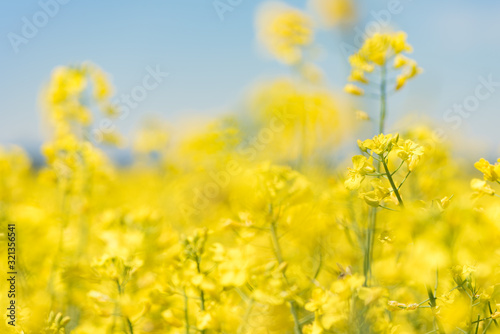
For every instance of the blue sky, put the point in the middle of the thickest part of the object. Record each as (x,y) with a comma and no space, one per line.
(212,62)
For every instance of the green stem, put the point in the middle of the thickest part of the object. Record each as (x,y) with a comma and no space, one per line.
(186,311)
(316,273)
(279,257)
(401,164)
(401,184)
(276,245)
(383,99)
(487,326)
(130,326)
(370,235)
(491,312)
(202,294)
(370,238)
(433,304)
(479,320)
(386,208)
(246,317)
(304,139)
(391,181)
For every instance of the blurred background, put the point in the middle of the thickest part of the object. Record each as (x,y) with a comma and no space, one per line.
(210,52)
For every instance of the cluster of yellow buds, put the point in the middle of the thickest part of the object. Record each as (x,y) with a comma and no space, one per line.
(285,32)
(377,51)
(380,144)
(378,148)
(56,324)
(410,152)
(116,268)
(72,162)
(490,173)
(481,188)
(70,98)
(335,12)
(409,69)
(444,202)
(362,166)
(381,191)
(71,95)
(194,246)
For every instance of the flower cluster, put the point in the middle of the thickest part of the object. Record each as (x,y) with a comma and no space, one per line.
(376,52)
(379,149)
(285,31)
(491,173)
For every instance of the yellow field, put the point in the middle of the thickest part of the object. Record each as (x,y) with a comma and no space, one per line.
(252,223)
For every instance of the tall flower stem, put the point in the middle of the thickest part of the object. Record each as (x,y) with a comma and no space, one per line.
(202,294)
(186,311)
(391,181)
(383,99)
(370,233)
(279,257)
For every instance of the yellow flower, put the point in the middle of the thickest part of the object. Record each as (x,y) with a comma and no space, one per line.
(206,321)
(400,61)
(376,51)
(284,31)
(400,81)
(173,317)
(362,116)
(411,69)
(319,298)
(371,295)
(353,89)
(411,307)
(381,190)
(445,202)
(491,172)
(379,144)
(357,61)
(66,83)
(410,152)
(395,306)
(481,188)
(356,175)
(467,270)
(102,87)
(358,75)
(398,43)
(335,12)
(112,138)
(233,269)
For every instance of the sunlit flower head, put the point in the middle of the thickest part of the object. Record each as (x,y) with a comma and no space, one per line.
(284,31)
(376,53)
(335,12)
